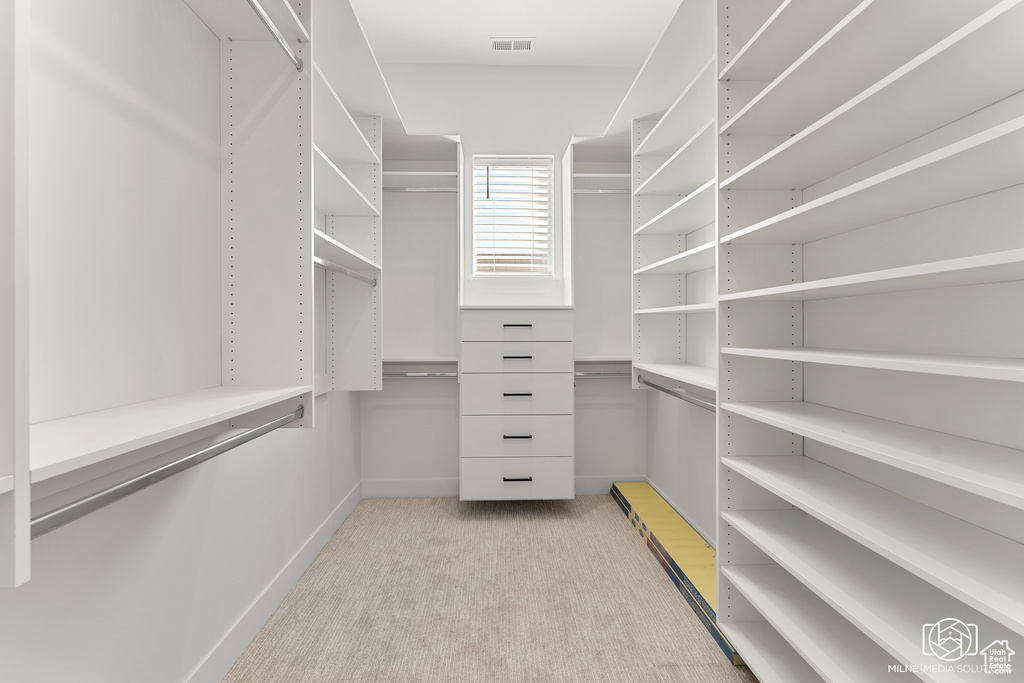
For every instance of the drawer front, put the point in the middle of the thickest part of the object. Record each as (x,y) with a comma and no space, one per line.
(516,479)
(491,436)
(517,394)
(517,357)
(516,325)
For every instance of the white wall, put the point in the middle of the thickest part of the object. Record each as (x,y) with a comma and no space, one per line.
(508,110)
(149,588)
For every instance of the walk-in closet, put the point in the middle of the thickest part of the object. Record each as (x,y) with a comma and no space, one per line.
(380,340)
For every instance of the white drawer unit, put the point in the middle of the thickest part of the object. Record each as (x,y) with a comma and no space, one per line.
(516,356)
(516,478)
(517,394)
(516,324)
(517,400)
(490,436)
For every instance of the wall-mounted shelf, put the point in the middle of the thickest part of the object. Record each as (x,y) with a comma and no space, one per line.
(336,133)
(793,27)
(690,213)
(687,169)
(828,642)
(334,194)
(688,308)
(690,261)
(767,654)
(975,165)
(6,484)
(1005,369)
(838,67)
(237,20)
(886,603)
(1003,266)
(61,446)
(330,249)
(685,117)
(697,375)
(984,469)
(975,565)
(865,126)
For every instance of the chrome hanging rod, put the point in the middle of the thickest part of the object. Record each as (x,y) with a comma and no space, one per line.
(583,190)
(420,375)
(602,374)
(83,506)
(330,265)
(268,22)
(695,400)
(419,189)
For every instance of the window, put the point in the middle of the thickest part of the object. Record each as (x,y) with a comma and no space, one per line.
(512,208)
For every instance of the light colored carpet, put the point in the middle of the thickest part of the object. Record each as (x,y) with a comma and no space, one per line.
(430,589)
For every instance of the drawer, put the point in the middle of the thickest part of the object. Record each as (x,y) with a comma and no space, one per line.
(517,394)
(517,357)
(489,436)
(516,479)
(516,325)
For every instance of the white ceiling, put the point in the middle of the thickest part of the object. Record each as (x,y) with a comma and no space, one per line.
(604,33)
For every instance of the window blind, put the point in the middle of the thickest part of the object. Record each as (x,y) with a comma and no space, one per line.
(512,228)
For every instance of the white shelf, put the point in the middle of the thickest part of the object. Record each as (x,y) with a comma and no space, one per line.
(977,566)
(333,193)
(1007,369)
(686,115)
(690,261)
(783,37)
(238,21)
(919,91)
(886,603)
(829,643)
(766,653)
(602,175)
(330,249)
(61,446)
(690,213)
(1004,266)
(839,60)
(697,375)
(687,169)
(689,308)
(981,163)
(984,469)
(6,484)
(336,132)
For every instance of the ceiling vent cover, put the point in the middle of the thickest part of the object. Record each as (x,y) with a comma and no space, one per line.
(512,44)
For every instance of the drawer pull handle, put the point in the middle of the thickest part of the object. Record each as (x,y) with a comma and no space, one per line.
(518,325)
(517,357)
(517,478)
(517,436)
(514,394)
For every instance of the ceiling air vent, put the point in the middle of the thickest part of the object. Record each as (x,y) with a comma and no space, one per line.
(512,44)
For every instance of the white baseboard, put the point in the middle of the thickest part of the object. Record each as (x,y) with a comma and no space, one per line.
(230,647)
(410,488)
(708,538)
(596,484)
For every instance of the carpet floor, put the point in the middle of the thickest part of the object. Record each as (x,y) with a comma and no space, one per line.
(430,589)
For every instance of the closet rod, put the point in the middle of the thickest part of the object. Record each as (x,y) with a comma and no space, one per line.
(603,374)
(700,402)
(583,190)
(420,375)
(83,506)
(329,265)
(268,22)
(419,189)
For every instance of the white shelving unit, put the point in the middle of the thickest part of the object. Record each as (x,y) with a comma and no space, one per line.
(674,237)
(870,477)
(247,154)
